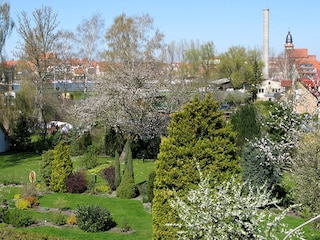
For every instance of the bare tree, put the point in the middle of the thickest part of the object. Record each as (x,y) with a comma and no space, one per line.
(127,96)
(88,34)
(65,52)
(6,24)
(38,50)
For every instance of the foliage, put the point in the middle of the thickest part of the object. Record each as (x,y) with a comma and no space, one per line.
(93,218)
(245,121)
(109,175)
(58,219)
(127,188)
(306,172)
(33,201)
(102,189)
(30,190)
(117,178)
(71,220)
(227,212)
(90,159)
(150,185)
(262,163)
(18,219)
(39,37)
(46,166)
(21,134)
(22,204)
(61,167)
(127,94)
(200,132)
(241,66)
(114,141)
(283,124)
(146,148)
(76,182)
(198,61)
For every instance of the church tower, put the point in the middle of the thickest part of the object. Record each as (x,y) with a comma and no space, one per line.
(289,42)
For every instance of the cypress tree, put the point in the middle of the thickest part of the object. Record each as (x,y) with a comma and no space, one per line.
(61,167)
(117,179)
(197,132)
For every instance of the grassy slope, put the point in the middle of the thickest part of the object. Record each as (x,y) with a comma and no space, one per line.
(16,167)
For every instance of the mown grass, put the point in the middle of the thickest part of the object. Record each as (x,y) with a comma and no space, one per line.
(16,167)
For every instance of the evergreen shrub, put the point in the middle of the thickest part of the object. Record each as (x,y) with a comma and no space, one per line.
(93,218)
(127,188)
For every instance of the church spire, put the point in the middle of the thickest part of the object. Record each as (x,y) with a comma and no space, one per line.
(289,42)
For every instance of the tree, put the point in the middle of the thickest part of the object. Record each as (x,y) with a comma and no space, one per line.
(306,172)
(228,211)
(46,166)
(128,161)
(245,121)
(6,25)
(38,49)
(199,61)
(127,188)
(21,134)
(61,167)
(126,96)
(200,132)
(241,66)
(262,163)
(65,52)
(117,169)
(88,34)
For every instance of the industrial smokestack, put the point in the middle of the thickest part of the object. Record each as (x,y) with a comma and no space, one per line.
(266,43)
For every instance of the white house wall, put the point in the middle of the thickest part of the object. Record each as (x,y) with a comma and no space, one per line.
(268,88)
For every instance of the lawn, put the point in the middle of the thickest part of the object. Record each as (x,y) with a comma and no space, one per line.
(15,168)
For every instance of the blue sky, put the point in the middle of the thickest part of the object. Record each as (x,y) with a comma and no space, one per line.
(227,22)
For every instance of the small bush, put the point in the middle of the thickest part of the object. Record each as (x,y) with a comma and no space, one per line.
(58,219)
(93,218)
(32,200)
(76,183)
(102,189)
(18,218)
(22,204)
(127,188)
(30,190)
(72,220)
(17,196)
(125,226)
(109,174)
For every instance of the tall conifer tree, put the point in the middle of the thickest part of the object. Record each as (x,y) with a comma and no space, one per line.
(197,132)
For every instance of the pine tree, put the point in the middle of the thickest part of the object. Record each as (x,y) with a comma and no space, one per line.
(245,122)
(61,167)
(198,131)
